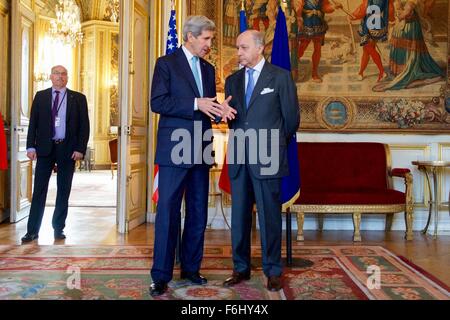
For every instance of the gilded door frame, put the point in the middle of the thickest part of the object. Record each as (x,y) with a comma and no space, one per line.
(133,134)
(22,20)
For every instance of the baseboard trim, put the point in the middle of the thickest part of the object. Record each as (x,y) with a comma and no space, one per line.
(369,222)
(150,217)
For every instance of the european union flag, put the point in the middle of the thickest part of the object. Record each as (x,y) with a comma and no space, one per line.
(242,20)
(290,185)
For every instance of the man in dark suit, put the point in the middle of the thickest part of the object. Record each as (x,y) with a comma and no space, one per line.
(58,134)
(184,94)
(265,98)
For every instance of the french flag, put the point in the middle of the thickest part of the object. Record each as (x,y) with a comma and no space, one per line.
(155,195)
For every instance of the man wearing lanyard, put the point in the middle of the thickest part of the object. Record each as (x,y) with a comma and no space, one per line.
(58,134)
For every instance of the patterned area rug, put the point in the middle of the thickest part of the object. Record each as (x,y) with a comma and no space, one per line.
(122,272)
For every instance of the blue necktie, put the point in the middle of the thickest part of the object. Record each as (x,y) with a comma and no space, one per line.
(196,75)
(250,87)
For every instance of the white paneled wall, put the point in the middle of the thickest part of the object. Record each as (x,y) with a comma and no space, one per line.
(404,150)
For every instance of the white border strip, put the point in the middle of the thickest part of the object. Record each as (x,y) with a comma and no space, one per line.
(431,282)
(355,280)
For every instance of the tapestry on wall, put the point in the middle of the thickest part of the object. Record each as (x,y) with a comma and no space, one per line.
(347,81)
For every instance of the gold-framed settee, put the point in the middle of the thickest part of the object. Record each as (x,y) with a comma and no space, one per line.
(351,178)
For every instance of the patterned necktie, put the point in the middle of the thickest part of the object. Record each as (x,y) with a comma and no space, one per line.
(250,87)
(196,75)
(55,111)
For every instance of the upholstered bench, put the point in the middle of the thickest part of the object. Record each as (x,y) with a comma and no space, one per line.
(354,178)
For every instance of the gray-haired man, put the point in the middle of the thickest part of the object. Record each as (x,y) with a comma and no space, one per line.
(265,98)
(184,94)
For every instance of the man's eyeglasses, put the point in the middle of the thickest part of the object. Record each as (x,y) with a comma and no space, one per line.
(60,73)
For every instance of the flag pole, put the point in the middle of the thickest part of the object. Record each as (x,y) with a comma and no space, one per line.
(290,185)
(242,18)
(178,246)
(180,231)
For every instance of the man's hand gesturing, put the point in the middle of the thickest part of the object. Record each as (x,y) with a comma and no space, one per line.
(228,113)
(210,107)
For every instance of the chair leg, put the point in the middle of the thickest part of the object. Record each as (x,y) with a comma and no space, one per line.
(357,225)
(409,207)
(320,221)
(389,219)
(409,223)
(300,222)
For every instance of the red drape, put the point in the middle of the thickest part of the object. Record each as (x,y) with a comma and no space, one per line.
(3,147)
(224,180)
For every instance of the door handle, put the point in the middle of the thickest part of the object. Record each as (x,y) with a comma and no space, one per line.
(16,129)
(129,130)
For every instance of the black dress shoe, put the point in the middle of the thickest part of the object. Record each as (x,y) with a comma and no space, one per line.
(236,277)
(194,277)
(60,235)
(274,283)
(29,237)
(158,288)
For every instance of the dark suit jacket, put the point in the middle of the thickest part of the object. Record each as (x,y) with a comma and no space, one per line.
(277,109)
(77,123)
(173,93)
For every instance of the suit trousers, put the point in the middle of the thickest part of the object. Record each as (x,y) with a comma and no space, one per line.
(245,190)
(44,167)
(172,184)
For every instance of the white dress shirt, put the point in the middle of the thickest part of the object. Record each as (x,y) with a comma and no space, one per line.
(258,68)
(189,56)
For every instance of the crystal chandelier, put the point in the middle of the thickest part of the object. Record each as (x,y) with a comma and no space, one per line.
(67,27)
